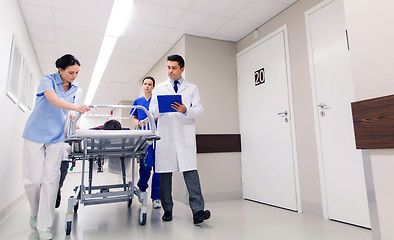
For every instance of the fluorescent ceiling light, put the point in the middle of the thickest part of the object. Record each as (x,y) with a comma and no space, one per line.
(105,53)
(120,15)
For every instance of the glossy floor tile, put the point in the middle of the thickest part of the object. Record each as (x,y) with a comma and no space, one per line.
(231,219)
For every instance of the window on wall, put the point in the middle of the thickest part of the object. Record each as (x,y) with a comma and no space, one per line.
(14,71)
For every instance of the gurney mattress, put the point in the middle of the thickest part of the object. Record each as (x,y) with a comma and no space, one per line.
(95,134)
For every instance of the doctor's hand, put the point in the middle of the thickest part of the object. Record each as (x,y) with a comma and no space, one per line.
(179,107)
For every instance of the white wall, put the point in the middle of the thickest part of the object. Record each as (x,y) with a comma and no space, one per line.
(371,35)
(294,18)
(371,38)
(12,119)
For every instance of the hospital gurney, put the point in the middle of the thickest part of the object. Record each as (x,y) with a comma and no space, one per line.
(94,146)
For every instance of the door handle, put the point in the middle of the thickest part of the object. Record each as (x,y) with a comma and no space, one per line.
(322,105)
(282,114)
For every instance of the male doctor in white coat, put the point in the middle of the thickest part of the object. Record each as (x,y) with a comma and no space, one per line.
(176,151)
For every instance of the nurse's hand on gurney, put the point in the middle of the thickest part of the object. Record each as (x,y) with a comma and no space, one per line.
(82,108)
(139,124)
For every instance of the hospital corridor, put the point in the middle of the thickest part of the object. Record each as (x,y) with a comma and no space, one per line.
(197,119)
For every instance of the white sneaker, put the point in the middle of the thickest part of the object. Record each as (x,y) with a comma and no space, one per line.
(47,235)
(33,223)
(156,203)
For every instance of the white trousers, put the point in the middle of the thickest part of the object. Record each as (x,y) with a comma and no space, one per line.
(41,173)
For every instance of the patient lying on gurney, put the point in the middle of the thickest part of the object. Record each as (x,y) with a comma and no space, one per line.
(114,164)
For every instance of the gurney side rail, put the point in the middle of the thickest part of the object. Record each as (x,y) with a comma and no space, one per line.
(71,125)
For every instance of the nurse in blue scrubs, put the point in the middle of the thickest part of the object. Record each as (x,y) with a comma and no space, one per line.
(43,145)
(148,83)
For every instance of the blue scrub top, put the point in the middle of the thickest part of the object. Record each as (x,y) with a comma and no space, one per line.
(46,122)
(139,113)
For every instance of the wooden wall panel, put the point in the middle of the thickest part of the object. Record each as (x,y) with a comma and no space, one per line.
(373,121)
(214,143)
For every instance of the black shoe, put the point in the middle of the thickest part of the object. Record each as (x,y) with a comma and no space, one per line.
(58,199)
(167,217)
(200,216)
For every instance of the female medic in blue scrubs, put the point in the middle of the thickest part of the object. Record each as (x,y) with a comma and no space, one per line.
(43,144)
(148,83)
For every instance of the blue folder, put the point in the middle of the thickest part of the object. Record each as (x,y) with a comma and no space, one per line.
(165,102)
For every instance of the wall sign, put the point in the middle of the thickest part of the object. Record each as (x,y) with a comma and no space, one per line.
(259,77)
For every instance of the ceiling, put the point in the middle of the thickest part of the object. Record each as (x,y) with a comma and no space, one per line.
(57,27)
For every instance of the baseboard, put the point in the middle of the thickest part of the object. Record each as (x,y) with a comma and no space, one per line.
(8,209)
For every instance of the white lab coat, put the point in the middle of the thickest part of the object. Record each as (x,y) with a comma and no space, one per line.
(176,150)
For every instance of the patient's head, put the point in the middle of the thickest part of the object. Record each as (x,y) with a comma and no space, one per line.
(112,125)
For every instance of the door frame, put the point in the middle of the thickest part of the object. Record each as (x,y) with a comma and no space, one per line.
(291,107)
(315,103)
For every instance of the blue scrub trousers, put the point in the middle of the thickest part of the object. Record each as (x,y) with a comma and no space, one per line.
(145,174)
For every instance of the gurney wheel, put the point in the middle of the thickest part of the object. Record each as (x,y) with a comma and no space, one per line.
(129,202)
(68,228)
(142,218)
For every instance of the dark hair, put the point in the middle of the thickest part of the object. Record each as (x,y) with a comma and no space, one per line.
(148,77)
(112,125)
(66,60)
(177,58)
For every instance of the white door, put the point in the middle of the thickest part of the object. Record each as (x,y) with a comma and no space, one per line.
(268,162)
(342,174)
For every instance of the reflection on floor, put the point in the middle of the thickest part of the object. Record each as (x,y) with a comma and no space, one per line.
(231,219)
